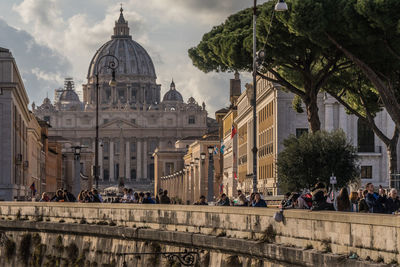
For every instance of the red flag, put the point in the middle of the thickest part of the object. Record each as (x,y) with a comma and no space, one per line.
(235,175)
(233,132)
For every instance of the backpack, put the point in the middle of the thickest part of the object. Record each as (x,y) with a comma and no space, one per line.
(308,199)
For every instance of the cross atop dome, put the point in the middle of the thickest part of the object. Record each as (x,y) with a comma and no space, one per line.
(121,29)
(172,86)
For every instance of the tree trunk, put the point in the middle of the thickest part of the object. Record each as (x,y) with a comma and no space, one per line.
(312,111)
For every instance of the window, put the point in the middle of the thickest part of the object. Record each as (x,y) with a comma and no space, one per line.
(169,144)
(153,145)
(68,122)
(116,148)
(105,121)
(133,147)
(106,175)
(192,119)
(133,174)
(106,146)
(365,138)
(301,131)
(366,172)
(133,121)
(169,168)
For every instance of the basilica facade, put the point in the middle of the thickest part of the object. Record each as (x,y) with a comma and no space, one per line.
(133,119)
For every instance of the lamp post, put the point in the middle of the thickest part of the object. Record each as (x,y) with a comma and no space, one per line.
(113,66)
(76,188)
(210,191)
(280,6)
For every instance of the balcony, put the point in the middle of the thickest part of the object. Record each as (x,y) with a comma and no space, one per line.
(369,149)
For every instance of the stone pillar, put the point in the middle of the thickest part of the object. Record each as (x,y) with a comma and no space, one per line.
(328,117)
(111,159)
(128,94)
(121,159)
(128,160)
(343,119)
(145,167)
(138,160)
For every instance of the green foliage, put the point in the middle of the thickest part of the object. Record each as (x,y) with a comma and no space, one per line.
(298,64)
(296,104)
(314,157)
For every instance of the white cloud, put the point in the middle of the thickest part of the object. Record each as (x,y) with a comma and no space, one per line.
(165,28)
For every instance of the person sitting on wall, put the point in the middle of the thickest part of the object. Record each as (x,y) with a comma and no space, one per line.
(241,199)
(223,201)
(164,199)
(258,201)
(201,201)
(147,199)
(69,196)
(319,196)
(44,198)
(59,197)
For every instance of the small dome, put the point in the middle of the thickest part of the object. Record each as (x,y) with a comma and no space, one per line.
(173,94)
(69,96)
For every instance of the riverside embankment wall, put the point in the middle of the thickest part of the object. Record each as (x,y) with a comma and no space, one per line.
(223,235)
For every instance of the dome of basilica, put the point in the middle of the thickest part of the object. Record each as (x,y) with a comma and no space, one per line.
(173,94)
(133,58)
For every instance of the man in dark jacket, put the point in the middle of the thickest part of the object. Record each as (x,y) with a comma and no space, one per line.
(224,201)
(258,201)
(164,199)
(392,203)
(319,198)
(374,201)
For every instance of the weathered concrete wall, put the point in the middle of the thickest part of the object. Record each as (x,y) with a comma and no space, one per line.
(241,232)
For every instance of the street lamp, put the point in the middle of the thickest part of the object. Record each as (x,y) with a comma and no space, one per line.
(210,191)
(76,188)
(280,6)
(203,156)
(112,65)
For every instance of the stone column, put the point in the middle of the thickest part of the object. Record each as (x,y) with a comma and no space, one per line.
(121,158)
(138,160)
(343,117)
(128,94)
(111,159)
(145,167)
(128,160)
(328,117)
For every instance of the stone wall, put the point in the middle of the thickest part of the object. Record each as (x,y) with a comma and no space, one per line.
(250,234)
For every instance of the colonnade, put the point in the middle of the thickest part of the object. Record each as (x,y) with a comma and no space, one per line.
(124,159)
(187,184)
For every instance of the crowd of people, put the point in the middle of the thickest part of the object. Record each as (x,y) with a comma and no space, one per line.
(317,198)
(367,200)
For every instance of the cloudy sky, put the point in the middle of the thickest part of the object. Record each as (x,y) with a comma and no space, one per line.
(54,39)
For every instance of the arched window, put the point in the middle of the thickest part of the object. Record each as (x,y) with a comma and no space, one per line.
(365,140)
